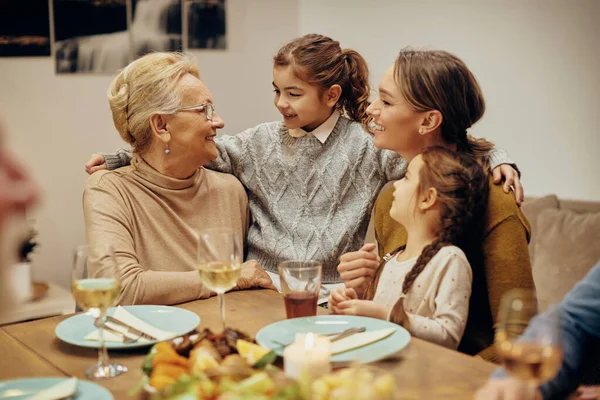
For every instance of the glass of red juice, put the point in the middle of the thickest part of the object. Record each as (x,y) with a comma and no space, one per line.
(300,284)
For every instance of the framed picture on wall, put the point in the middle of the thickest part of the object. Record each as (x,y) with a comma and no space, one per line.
(91,35)
(156,26)
(24,28)
(206,24)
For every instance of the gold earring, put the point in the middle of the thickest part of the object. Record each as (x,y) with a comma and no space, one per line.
(167,151)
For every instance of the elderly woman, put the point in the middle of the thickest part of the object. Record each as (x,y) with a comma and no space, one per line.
(150,210)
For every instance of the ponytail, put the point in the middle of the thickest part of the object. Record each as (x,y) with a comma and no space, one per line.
(355,86)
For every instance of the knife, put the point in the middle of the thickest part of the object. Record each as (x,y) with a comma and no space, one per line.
(360,339)
(130,329)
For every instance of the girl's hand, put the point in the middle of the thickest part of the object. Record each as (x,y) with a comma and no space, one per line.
(511,178)
(357,268)
(95,163)
(351,294)
(336,297)
(365,308)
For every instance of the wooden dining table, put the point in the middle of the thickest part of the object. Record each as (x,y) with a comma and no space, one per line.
(422,371)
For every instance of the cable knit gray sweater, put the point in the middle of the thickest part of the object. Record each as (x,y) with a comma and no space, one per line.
(309,200)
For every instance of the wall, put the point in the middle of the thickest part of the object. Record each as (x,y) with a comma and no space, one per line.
(56,121)
(536,60)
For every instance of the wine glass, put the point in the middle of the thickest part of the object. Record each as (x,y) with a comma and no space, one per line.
(536,357)
(95,292)
(219,261)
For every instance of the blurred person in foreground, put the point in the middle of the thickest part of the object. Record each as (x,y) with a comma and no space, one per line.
(579,315)
(17,192)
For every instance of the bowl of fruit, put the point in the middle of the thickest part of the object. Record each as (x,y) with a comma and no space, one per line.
(223,366)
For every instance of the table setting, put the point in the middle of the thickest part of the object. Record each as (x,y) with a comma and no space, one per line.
(269,345)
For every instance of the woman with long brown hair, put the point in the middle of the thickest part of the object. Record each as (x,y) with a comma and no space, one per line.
(431,98)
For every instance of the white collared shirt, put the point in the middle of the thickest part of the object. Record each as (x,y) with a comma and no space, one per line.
(321,132)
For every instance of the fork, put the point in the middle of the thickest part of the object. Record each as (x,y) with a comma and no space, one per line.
(348,332)
(126,339)
(337,335)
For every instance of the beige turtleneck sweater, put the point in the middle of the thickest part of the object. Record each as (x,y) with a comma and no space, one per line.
(150,220)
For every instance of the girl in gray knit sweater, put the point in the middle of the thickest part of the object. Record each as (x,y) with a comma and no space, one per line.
(312,179)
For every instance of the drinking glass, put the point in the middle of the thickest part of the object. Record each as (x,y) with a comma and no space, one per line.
(219,261)
(300,284)
(537,358)
(95,295)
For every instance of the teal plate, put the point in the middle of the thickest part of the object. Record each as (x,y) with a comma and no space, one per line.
(172,319)
(21,389)
(285,332)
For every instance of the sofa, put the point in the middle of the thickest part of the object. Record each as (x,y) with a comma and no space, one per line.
(564,246)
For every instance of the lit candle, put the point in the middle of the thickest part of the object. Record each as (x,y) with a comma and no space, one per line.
(307,356)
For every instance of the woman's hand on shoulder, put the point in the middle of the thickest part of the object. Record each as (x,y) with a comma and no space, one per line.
(357,268)
(253,275)
(511,180)
(95,163)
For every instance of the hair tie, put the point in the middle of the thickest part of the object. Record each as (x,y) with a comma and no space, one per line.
(345,56)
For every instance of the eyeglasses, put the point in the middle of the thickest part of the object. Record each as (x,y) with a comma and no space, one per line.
(208,108)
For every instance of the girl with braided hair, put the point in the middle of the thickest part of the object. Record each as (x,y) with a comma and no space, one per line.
(426,284)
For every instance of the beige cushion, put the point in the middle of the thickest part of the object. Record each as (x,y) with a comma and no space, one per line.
(532,209)
(581,206)
(566,249)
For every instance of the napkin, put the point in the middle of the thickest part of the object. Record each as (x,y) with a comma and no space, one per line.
(359,340)
(65,388)
(123,315)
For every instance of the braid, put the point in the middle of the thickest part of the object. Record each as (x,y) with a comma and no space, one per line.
(450,230)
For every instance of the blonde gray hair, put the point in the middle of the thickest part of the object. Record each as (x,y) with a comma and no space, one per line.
(146,86)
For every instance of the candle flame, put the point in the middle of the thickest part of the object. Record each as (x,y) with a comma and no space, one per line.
(309,342)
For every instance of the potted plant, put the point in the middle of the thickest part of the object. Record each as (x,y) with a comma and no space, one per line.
(27,247)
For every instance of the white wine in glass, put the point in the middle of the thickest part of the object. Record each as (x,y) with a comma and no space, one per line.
(533,359)
(95,294)
(219,260)
(220,277)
